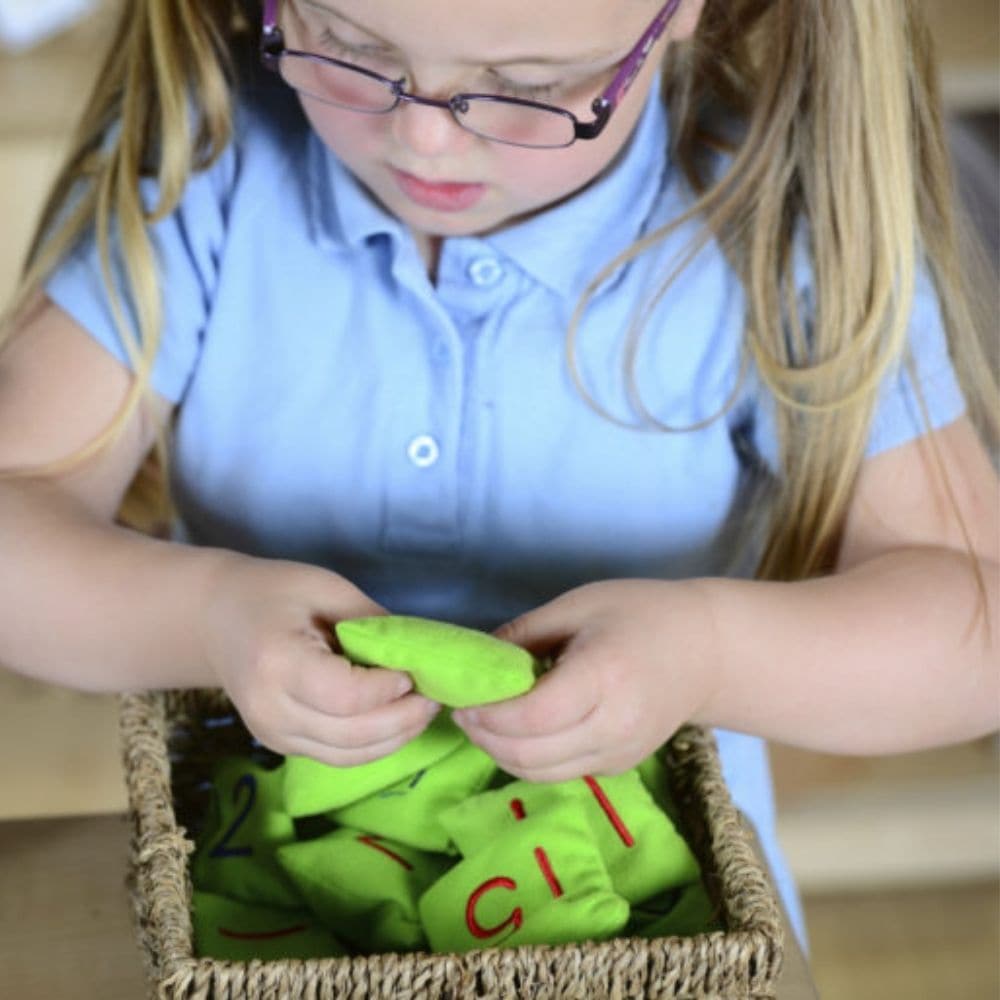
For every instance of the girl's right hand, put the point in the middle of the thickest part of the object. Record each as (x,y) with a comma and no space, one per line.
(267,629)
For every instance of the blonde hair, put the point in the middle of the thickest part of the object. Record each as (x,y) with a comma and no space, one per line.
(161,107)
(840,130)
(841,139)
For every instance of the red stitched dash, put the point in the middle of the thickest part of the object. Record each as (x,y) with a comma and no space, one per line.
(262,935)
(609,810)
(517,808)
(371,842)
(550,876)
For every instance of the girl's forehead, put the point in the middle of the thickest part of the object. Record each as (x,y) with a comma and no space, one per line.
(492,31)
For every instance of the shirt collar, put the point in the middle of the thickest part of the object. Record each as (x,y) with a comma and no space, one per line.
(344,214)
(561,248)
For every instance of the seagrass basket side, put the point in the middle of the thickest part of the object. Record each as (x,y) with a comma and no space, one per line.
(743,961)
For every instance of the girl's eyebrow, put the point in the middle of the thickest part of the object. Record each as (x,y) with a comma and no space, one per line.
(581,60)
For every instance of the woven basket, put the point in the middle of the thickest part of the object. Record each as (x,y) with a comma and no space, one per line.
(169,741)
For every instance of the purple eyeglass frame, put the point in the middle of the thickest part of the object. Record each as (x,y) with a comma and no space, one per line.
(272,48)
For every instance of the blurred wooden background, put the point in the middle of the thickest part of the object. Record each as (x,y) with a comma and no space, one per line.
(898,858)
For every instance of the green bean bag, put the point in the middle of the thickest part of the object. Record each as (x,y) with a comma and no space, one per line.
(238,932)
(365,889)
(540,882)
(410,811)
(246,823)
(449,664)
(312,787)
(641,848)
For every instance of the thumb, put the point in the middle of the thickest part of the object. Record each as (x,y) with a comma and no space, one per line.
(351,689)
(334,598)
(545,628)
(334,686)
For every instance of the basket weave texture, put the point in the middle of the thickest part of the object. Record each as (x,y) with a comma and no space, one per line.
(743,961)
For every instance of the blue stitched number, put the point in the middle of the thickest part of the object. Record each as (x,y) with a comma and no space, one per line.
(390,792)
(223,848)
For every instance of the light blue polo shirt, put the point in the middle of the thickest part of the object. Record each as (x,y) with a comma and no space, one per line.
(429,443)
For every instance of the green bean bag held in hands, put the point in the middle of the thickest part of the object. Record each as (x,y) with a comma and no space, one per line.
(449,664)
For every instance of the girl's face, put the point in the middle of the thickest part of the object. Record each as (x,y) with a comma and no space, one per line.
(560,52)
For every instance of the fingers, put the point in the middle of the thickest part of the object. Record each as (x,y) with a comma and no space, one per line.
(350,740)
(339,755)
(580,750)
(588,764)
(547,627)
(521,755)
(353,706)
(329,684)
(335,597)
(309,700)
(562,698)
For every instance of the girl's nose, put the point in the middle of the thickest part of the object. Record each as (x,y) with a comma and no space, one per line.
(429,131)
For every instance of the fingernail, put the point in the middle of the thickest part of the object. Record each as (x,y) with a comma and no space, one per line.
(470,716)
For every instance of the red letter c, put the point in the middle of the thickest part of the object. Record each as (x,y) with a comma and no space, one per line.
(475,928)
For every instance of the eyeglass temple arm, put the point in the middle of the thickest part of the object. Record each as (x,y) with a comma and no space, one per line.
(625,77)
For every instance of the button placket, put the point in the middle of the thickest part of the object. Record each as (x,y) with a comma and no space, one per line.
(421,512)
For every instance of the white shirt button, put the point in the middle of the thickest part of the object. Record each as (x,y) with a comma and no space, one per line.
(485,271)
(423,451)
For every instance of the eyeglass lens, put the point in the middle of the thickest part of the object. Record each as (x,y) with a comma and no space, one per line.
(307,71)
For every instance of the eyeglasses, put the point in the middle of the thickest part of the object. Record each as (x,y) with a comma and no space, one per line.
(509,120)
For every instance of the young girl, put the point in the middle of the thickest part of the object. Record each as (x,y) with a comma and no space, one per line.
(635,329)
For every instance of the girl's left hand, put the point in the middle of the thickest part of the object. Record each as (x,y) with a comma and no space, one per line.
(636,660)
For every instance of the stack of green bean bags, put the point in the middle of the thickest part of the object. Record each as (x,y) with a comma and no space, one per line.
(433,847)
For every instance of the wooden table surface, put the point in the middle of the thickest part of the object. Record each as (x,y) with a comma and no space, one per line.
(65,928)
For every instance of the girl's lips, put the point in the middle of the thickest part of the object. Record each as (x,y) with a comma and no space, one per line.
(446,197)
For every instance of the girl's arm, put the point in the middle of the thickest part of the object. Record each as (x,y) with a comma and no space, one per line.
(85,603)
(89,604)
(896,650)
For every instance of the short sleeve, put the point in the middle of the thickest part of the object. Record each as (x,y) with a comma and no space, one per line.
(187,247)
(919,394)
(925,377)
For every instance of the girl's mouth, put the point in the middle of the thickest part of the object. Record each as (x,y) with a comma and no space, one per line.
(445,196)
